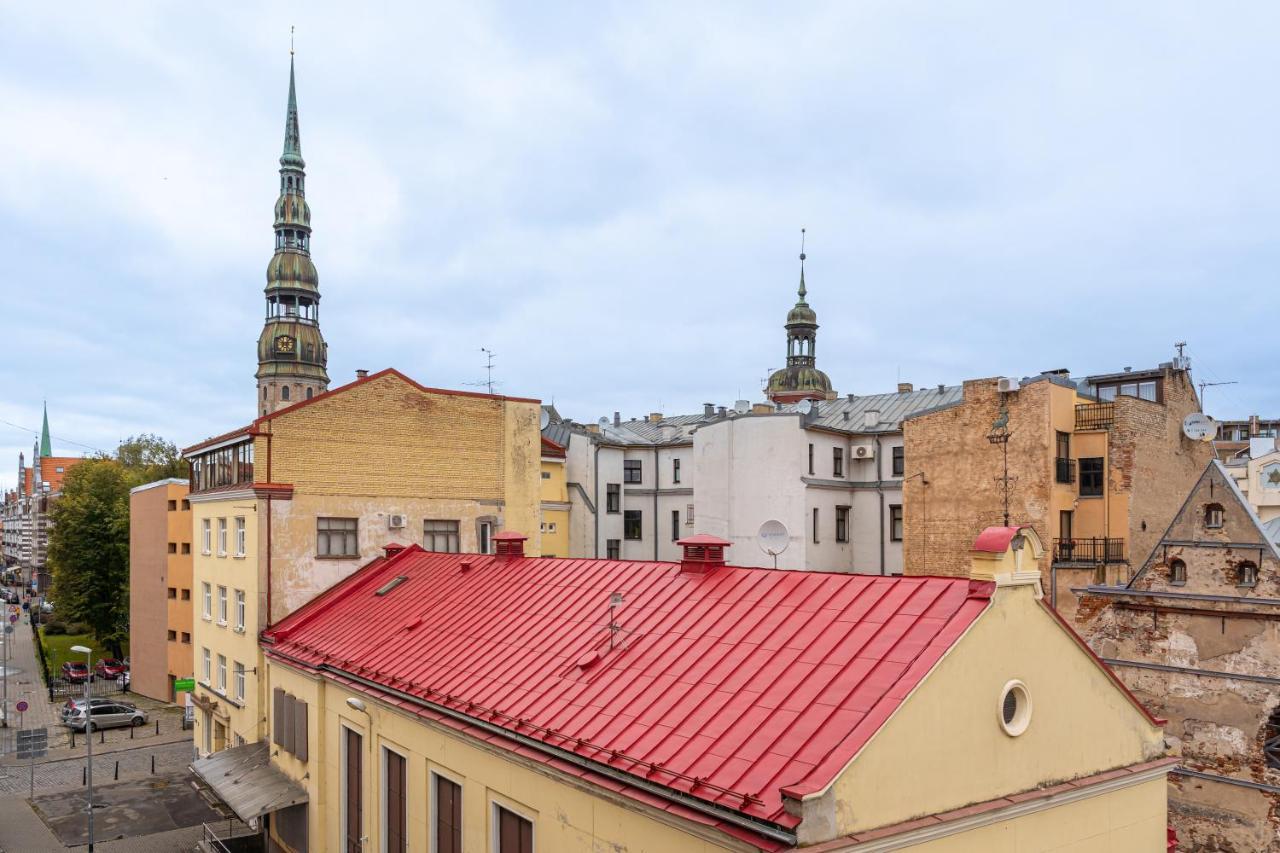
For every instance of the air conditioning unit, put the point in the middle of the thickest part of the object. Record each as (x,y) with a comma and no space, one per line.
(395,522)
(863,451)
(1007,384)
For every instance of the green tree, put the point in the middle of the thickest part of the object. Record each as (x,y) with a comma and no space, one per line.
(89,549)
(148,458)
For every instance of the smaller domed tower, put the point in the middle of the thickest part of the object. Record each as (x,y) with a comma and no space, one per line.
(292,354)
(800,379)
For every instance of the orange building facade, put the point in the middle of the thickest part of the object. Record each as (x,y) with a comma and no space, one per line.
(160,606)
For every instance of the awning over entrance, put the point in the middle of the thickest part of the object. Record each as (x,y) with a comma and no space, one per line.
(243,778)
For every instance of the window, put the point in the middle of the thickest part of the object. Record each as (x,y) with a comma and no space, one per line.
(842,524)
(632,471)
(1063,471)
(222,537)
(1015,708)
(815,523)
(675,470)
(240,537)
(546,475)
(186,638)
(239,683)
(173,592)
(173,636)
(1091,477)
(336,537)
(284,392)
(632,522)
(395,815)
(688,515)
(1271,740)
(206,665)
(222,605)
(448,815)
(675,524)
(186,547)
(613,497)
(239,609)
(222,674)
(1177,572)
(899,461)
(1246,573)
(811,463)
(440,536)
(173,547)
(613,549)
(484,532)
(186,505)
(352,786)
(837,462)
(173,506)
(515,833)
(895,523)
(1213,516)
(207,598)
(186,595)
(289,723)
(206,536)
(309,389)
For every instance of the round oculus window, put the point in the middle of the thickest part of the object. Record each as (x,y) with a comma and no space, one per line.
(1015,708)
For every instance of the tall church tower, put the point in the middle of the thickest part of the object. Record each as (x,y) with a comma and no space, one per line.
(800,379)
(292,354)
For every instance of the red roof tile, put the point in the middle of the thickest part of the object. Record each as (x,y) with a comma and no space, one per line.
(728,686)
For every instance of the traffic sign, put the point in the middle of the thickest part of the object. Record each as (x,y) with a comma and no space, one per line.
(33,743)
(22,706)
(184,685)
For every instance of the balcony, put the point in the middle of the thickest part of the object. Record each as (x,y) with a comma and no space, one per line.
(1064,470)
(1091,551)
(1095,416)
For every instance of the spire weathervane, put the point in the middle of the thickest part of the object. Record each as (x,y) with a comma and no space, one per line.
(291,39)
(803,292)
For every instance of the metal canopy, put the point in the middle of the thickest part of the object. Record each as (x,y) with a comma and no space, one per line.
(244,779)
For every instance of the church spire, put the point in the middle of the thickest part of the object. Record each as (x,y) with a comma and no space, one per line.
(803,292)
(292,354)
(46,447)
(800,379)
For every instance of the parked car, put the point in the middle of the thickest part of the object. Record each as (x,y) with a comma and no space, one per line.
(109,668)
(75,672)
(74,706)
(104,716)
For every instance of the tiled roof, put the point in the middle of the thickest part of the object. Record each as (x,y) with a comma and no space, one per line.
(727,686)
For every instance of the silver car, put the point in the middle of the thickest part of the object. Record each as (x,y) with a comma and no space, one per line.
(106,715)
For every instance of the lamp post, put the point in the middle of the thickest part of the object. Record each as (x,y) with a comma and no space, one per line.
(88,731)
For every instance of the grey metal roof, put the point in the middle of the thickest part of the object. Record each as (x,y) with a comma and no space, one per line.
(1272,529)
(244,778)
(848,413)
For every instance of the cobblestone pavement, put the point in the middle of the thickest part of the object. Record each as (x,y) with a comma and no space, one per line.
(65,773)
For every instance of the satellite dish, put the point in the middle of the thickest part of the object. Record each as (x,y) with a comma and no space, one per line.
(604,422)
(742,406)
(544,420)
(773,537)
(1198,426)
(805,407)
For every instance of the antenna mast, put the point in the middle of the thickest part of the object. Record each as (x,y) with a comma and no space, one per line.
(1204,385)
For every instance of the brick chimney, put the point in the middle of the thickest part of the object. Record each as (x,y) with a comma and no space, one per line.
(905,388)
(362,374)
(702,553)
(654,417)
(509,545)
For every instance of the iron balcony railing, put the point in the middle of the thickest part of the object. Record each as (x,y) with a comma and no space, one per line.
(1088,551)
(1064,470)
(1095,415)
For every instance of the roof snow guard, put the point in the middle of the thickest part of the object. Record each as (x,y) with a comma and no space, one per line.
(734,684)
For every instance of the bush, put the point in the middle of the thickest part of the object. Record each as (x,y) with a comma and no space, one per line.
(79,628)
(55,627)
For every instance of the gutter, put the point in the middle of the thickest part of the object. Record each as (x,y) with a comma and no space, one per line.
(880,491)
(769,830)
(1213,777)
(1187,670)
(595,474)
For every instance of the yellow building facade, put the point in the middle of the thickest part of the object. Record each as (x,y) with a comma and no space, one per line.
(297,501)
(1072,762)
(554,501)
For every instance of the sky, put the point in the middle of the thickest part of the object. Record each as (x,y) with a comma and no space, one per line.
(609,196)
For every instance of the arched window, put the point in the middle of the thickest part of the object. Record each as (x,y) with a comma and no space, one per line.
(1246,573)
(1177,572)
(1271,740)
(1213,516)
(264,392)
(284,392)
(308,393)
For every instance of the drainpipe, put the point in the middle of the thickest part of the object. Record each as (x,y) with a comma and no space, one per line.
(595,473)
(880,491)
(656,477)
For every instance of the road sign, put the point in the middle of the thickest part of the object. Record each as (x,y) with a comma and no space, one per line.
(184,685)
(33,743)
(22,706)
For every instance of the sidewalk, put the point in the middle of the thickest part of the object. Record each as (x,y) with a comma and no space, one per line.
(26,683)
(22,831)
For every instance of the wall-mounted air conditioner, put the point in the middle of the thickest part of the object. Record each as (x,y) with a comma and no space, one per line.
(1006,384)
(863,451)
(395,522)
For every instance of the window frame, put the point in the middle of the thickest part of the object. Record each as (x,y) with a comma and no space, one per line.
(1085,474)
(1177,572)
(222,537)
(241,536)
(344,782)
(837,461)
(613,549)
(238,673)
(898,461)
(613,498)
(241,607)
(633,471)
(206,600)
(495,823)
(327,533)
(816,540)
(811,458)
(206,665)
(206,536)
(632,517)
(451,532)
(384,792)
(223,608)
(675,470)
(1214,516)
(895,523)
(842,523)
(675,524)
(433,820)
(221,685)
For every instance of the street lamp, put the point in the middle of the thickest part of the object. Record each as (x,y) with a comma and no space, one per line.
(88,730)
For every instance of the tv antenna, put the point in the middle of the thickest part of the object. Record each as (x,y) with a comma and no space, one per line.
(615,601)
(488,382)
(1204,385)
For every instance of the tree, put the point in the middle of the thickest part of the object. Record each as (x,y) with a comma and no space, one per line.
(89,549)
(148,458)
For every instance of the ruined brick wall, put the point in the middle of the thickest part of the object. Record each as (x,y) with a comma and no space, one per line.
(963,494)
(1152,464)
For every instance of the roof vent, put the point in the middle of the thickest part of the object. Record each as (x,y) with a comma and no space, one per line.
(392,548)
(509,545)
(362,374)
(905,388)
(702,553)
(849,397)
(720,411)
(708,409)
(941,388)
(465,565)
(617,418)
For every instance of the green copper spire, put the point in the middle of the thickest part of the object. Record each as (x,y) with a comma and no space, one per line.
(46,449)
(292,155)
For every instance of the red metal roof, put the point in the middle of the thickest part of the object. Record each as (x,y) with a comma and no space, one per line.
(727,686)
(996,540)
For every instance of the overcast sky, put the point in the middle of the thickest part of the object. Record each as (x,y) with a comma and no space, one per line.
(610,196)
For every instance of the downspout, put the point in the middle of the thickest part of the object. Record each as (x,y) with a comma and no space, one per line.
(880,491)
(657,477)
(595,474)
